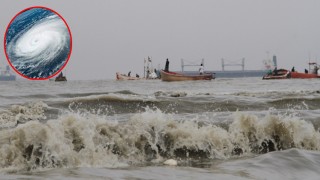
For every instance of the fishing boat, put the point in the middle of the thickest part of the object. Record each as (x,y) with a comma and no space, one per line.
(286,74)
(149,72)
(173,76)
(120,76)
(277,74)
(60,77)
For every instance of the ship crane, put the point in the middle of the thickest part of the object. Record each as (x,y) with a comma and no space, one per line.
(232,63)
(185,63)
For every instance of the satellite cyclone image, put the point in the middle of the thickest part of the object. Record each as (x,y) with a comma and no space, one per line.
(38,43)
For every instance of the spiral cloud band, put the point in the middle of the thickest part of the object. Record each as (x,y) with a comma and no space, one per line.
(38,43)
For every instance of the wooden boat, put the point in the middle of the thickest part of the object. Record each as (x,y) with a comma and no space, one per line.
(125,77)
(173,76)
(60,77)
(279,74)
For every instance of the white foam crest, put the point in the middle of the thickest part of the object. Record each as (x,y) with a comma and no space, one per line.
(67,142)
(166,135)
(22,113)
(113,96)
(74,140)
(170,94)
(284,132)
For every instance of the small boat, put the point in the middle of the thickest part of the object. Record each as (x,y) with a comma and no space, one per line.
(120,76)
(278,74)
(60,77)
(173,76)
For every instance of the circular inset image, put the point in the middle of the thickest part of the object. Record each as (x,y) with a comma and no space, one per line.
(38,43)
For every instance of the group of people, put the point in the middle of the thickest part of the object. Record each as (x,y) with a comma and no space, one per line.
(315,71)
(129,74)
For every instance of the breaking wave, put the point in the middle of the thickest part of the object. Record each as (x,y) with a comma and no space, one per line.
(178,102)
(75,140)
(40,46)
(17,114)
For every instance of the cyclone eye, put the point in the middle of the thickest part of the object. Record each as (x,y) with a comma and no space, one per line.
(38,43)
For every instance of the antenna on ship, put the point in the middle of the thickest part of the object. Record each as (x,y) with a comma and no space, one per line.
(274,59)
(144,68)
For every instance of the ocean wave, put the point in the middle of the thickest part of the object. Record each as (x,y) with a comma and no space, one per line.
(178,103)
(289,164)
(170,94)
(74,140)
(126,102)
(17,114)
(279,94)
(41,47)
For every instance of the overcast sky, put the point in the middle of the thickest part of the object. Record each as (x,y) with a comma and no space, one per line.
(116,35)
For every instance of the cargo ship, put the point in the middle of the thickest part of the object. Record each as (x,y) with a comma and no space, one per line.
(6,75)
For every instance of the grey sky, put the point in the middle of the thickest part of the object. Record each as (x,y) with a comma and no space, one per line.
(116,35)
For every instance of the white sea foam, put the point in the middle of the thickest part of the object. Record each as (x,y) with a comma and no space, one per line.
(93,141)
(22,113)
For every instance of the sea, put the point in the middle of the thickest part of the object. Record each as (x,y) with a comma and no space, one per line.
(232,128)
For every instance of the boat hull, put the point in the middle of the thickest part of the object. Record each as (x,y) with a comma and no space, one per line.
(172,76)
(63,78)
(297,75)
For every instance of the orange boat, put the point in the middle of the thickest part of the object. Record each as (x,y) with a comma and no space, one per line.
(173,76)
(286,74)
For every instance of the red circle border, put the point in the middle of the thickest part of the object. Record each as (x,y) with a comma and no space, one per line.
(5,47)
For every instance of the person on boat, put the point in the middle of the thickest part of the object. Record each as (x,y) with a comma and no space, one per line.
(306,71)
(275,71)
(316,68)
(137,76)
(201,69)
(148,73)
(293,70)
(166,68)
(157,73)
(129,73)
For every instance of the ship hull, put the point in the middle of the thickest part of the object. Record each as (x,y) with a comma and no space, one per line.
(172,76)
